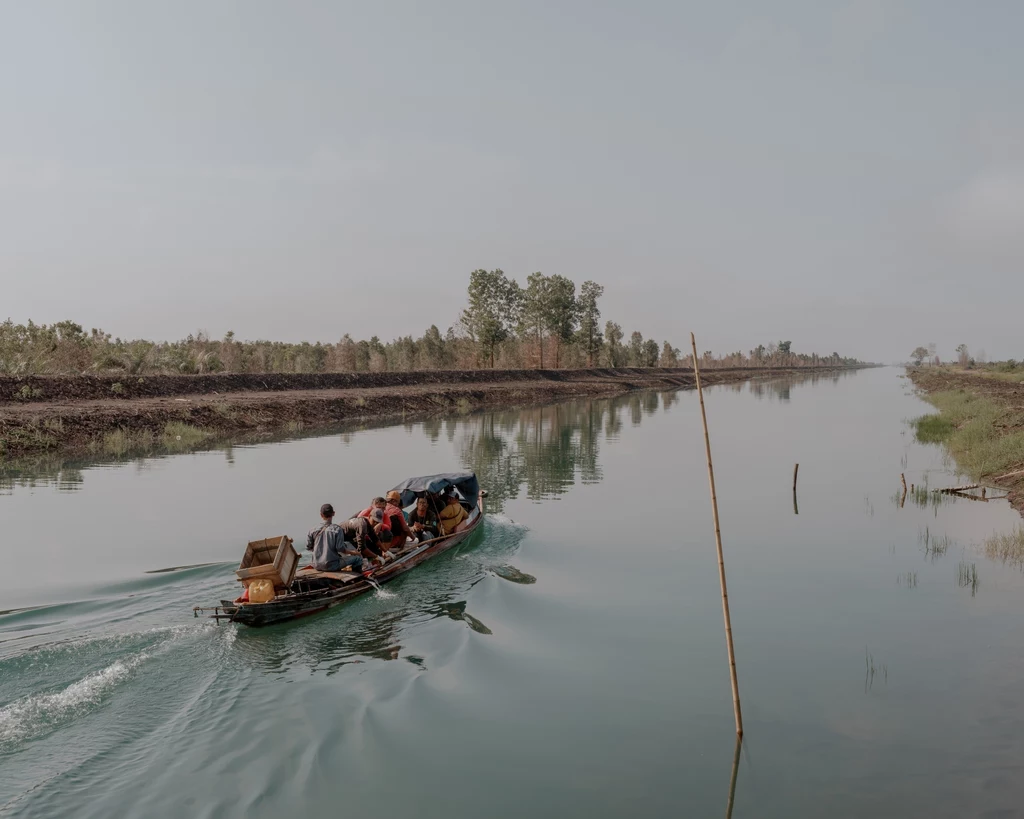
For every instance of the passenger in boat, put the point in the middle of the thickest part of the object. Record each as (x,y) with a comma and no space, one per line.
(380,521)
(452,515)
(400,529)
(423,521)
(327,543)
(373,545)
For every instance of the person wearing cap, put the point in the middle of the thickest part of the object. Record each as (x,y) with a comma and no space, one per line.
(371,529)
(378,520)
(452,514)
(327,543)
(400,529)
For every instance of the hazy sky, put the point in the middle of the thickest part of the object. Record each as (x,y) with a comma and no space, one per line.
(848,175)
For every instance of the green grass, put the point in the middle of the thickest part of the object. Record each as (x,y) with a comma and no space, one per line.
(123,441)
(932,429)
(974,429)
(178,435)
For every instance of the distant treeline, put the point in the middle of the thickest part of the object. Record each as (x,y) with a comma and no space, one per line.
(546,324)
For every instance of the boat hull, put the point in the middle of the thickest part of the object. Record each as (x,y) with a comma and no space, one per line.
(304,602)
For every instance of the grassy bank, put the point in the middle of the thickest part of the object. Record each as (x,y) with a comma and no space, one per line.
(984,436)
(980,420)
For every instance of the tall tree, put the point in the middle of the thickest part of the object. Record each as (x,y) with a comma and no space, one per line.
(562,311)
(432,349)
(919,355)
(963,355)
(650,353)
(590,330)
(493,305)
(669,356)
(636,349)
(534,318)
(616,352)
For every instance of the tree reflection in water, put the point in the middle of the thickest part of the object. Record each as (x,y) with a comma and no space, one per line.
(780,387)
(543,451)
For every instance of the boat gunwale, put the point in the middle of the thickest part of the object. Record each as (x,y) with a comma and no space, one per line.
(294,605)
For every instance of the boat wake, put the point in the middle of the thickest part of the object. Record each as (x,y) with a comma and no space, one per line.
(36,714)
(41,713)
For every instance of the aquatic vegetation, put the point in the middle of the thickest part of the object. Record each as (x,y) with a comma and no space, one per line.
(123,441)
(870,670)
(907,579)
(932,429)
(967,576)
(179,435)
(1007,547)
(934,547)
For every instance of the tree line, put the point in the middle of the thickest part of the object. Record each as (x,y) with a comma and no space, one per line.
(544,324)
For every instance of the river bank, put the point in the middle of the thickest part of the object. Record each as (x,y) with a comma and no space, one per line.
(116,414)
(980,420)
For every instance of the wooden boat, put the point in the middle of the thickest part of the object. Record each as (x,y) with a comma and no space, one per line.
(311,591)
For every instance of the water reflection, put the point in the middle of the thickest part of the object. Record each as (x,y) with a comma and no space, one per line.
(540,450)
(781,387)
(733,777)
(372,627)
(545,450)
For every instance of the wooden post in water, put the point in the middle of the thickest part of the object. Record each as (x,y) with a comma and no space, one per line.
(718,542)
(796,509)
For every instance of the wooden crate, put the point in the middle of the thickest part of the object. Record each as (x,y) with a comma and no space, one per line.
(273,558)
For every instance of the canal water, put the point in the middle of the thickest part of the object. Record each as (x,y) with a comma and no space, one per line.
(569,660)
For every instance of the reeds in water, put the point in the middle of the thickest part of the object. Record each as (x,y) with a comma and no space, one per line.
(870,670)
(1009,547)
(967,576)
(934,547)
(907,580)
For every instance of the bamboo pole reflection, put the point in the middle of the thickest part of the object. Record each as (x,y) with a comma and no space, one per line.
(732,780)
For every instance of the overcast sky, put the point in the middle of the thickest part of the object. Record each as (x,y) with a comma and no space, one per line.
(847,175)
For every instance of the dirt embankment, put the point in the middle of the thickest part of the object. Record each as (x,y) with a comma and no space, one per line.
(1008,395)
(40,413)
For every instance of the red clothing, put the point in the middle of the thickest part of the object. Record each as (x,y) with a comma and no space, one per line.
(366,513)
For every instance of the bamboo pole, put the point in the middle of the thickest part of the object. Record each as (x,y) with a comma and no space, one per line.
(796,469)
(718,542)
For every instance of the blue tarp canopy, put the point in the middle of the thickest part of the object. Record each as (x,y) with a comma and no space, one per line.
(465,482)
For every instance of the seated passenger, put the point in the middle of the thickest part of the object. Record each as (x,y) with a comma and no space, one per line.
(400,529)
(376,503)
(327,542)
(371,544)
(452,515)
(423,521)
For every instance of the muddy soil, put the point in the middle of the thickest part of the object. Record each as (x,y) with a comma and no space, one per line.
(39,414)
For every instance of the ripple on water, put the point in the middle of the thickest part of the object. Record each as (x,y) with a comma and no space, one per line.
(58,667)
